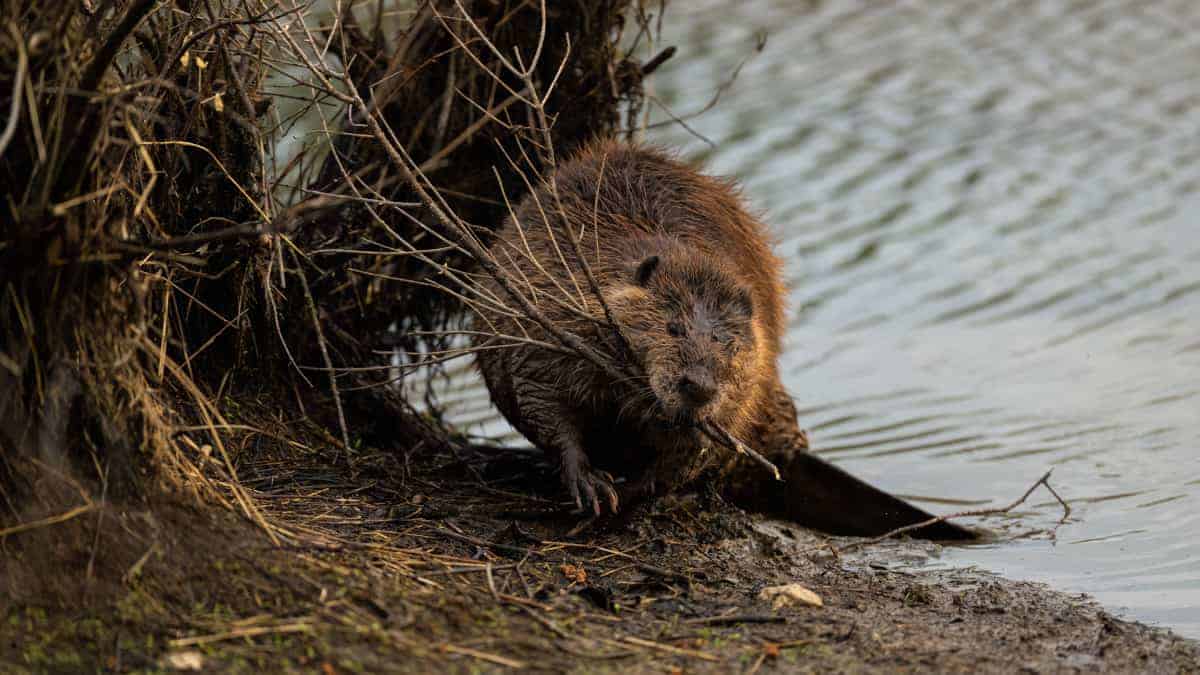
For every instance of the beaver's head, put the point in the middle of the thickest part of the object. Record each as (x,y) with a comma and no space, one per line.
(690,323)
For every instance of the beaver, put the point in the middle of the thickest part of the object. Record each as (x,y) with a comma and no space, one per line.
(664,272)
(689,278)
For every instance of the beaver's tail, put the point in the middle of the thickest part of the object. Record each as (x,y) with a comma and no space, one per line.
(817,494)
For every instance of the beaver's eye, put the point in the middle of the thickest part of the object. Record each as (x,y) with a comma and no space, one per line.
(675,329)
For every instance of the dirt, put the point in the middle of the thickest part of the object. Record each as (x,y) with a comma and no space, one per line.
(471,564)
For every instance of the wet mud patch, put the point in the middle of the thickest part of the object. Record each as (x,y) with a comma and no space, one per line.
(468,563)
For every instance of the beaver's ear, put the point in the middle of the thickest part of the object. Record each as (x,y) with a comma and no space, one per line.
(644,269)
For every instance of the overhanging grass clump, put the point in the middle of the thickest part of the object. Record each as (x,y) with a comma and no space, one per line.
(157,263)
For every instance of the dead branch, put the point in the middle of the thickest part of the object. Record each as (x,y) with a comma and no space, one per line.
(718,433)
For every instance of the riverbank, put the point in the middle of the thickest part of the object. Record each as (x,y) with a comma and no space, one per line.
(467,564)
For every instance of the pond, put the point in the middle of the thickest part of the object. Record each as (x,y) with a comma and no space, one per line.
(988,212)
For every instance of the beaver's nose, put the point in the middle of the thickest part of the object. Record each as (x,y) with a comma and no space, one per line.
(697,387)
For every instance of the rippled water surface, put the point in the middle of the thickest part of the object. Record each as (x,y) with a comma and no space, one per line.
(989,213)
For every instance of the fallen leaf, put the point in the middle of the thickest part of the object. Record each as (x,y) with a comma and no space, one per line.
(575,573)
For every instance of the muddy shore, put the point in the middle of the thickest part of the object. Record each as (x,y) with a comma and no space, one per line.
(463,565)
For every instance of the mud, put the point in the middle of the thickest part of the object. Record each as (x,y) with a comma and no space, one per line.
(462,564)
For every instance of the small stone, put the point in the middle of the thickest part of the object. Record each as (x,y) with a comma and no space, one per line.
(189,660)
(790,594)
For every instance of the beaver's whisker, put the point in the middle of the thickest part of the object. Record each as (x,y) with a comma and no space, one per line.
(634,401)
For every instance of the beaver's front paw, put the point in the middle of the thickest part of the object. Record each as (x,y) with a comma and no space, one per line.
(584,482)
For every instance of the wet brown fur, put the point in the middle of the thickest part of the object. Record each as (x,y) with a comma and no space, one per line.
(710,307)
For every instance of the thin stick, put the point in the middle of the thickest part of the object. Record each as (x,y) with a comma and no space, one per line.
(333,385)
(52,520)
(240,633)
(10,127)
(718,433)
(730,619)
(1066,507)
(484,656)
(491,582)
(670,649)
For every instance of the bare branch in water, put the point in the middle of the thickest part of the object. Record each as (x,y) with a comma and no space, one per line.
(1043,481)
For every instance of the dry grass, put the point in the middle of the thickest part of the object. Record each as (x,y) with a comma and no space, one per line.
(158,261)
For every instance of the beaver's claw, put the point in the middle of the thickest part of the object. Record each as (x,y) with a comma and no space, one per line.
(584,482)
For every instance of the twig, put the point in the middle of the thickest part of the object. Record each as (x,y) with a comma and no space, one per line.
(201,238)
(1066,507)
(653,64)
(762,656)
(10,127)
(484,656)
(760,43)
(515,550)
(333,385)
(729,619)
(108,51)
(470,570)
(549,624)
(220,165)
(661,572)
(491,582)
(70,164)
(718,433)
(52,520)
(679,651)
(241,632)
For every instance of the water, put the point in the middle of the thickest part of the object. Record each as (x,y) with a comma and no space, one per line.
(987,214)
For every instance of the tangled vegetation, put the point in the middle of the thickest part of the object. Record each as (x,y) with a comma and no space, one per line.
(232,231)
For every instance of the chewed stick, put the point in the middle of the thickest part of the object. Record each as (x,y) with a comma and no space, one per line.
(720,435)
